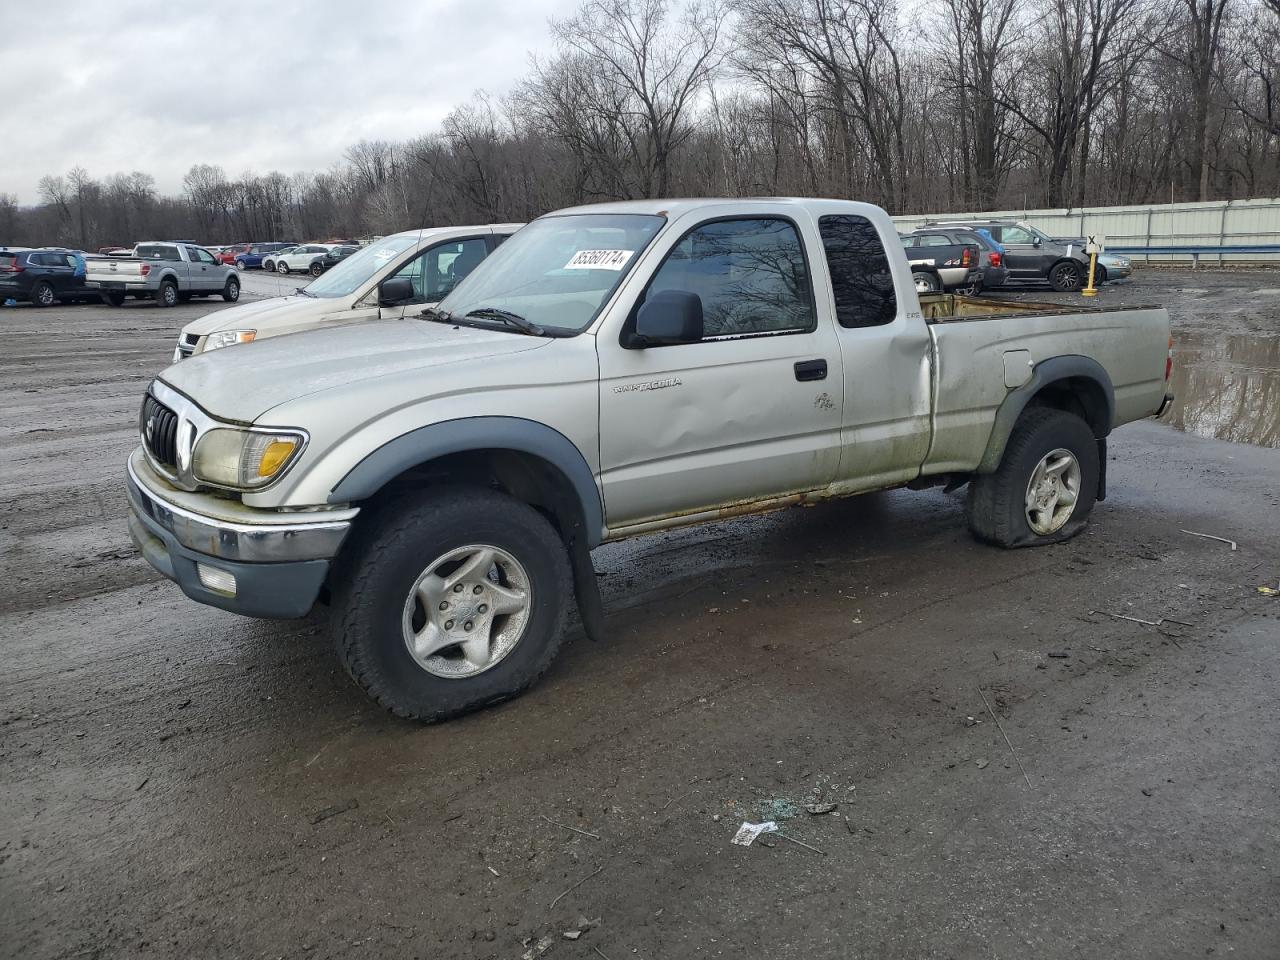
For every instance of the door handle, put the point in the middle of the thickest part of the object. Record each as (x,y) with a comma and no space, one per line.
(811,370)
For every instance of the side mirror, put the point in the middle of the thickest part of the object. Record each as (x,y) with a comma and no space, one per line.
(1035,241)
(394,291)
(668,318)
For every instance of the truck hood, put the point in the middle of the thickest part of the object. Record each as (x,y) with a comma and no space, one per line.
(276,309)
(242,383)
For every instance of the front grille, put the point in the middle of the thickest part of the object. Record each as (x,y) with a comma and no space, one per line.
(159,427)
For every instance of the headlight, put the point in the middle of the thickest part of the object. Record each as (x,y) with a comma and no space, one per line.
(228,338)
(244,459)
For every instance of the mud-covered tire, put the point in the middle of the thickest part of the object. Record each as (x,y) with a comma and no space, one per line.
(231,290)
(1067,276)
(377,573)
(997,502)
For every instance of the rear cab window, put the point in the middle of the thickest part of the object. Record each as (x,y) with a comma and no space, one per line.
(861,280)
(157,251)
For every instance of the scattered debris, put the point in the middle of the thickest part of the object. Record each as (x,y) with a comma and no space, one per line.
(1000,726)
(538,949)
(1269,591)
(801,843)
(1210,536)
(1146,792)
(748,832)
(333,811)
(820,808)
(1146,623)
(600,952)
(493,871)
(779,808)
(982,763)
(1059,654)
(144,782)
(576,886)
(565,826)
(571,934)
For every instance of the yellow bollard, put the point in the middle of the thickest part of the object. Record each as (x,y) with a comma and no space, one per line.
(1091,290)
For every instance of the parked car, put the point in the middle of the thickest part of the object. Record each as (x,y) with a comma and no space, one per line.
(168,272)
(990,253)
(305,258)
(938,264)
(612,371)
(427,265)
(1112,266)
(251,258)
(1030,255)
(43,277)
(339,253)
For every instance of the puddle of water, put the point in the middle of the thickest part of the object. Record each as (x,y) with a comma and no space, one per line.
(1227,387)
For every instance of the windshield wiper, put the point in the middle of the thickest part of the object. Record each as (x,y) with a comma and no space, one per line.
(301,292)
(510,319)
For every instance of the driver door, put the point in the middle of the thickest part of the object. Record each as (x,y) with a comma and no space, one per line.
(750,412)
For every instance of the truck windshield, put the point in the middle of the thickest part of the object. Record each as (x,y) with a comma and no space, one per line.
(349,275)
(558,271)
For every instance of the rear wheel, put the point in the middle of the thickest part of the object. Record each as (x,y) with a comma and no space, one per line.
(167,295)
(231,292)
(42,294)
(925,281)
(1045,486)
(450,602)
(316,269)
(1066,277)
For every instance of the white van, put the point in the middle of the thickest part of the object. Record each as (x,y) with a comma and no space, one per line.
(431,262)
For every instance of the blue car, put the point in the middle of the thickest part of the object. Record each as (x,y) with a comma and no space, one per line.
(251,259)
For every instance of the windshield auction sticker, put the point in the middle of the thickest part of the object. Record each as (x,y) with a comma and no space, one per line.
(599,260)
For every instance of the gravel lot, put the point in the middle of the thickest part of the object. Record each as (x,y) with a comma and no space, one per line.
(181,782)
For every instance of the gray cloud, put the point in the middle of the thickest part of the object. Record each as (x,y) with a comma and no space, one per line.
(263,85)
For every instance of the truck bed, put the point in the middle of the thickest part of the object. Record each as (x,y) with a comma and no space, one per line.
(976,364)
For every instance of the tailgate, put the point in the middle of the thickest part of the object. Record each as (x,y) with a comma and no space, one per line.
(108,271)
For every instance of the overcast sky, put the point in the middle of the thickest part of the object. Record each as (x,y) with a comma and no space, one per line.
(260,85)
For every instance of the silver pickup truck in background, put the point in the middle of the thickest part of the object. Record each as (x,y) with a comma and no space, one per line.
(164,271)
(439,480)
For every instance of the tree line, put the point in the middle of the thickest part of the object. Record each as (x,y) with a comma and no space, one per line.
(944,105)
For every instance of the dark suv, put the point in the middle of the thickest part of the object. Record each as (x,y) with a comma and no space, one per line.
(1030,255)
(44,277)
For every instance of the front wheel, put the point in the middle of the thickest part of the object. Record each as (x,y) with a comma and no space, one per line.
(450,602)
(231,292)
(1045,486)
(240,265)
(282,267)
(1066,277)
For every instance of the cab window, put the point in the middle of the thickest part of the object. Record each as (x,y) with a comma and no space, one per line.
(751,275)
(860,276)
(438,269)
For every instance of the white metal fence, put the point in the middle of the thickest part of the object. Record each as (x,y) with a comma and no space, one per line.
(1214,224)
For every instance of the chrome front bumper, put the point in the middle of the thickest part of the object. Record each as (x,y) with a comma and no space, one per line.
(276,567)
(273,542)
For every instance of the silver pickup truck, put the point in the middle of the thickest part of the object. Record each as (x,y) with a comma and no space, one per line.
(439,480)
(166,272)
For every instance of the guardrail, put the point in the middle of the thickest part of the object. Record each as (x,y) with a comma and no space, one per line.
(1197,251)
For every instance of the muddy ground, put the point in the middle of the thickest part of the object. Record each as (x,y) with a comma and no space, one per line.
(181,782)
